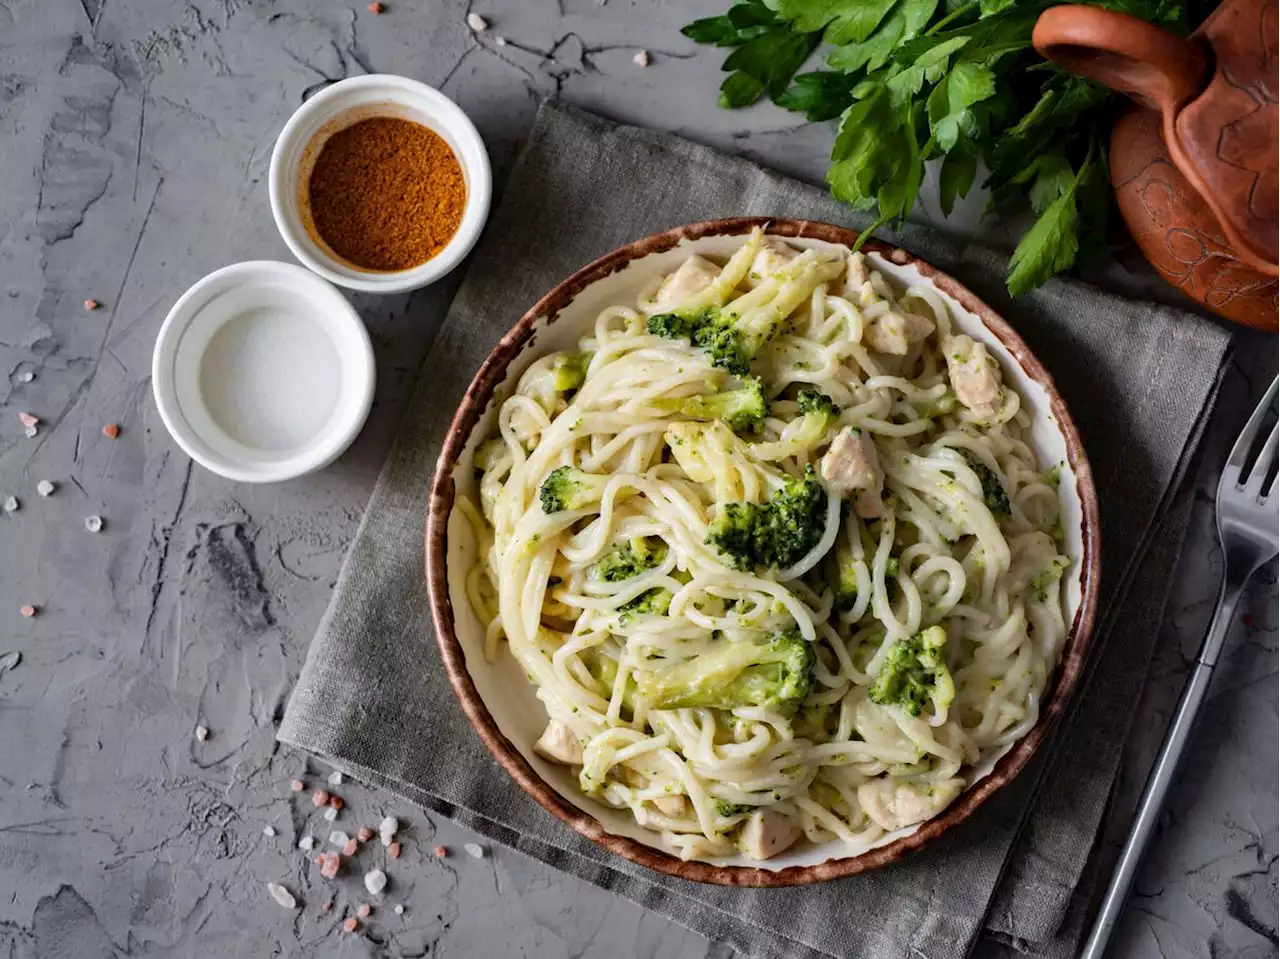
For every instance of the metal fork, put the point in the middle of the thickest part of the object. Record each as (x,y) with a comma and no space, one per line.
(1247,534)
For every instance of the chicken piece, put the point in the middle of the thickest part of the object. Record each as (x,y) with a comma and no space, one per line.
(894,333)
(693,276)
(765,834)
(671,805)
(559,744)
(975,375)
(851,463)
(773,256)
(895,805)
(855,273)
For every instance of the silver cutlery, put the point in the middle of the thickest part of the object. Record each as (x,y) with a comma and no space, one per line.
(1247,533)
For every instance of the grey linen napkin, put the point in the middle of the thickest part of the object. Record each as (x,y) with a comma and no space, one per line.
(1139,378)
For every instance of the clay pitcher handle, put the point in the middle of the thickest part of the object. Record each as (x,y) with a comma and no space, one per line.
(1132,56)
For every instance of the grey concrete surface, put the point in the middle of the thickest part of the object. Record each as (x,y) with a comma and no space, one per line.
(134,140)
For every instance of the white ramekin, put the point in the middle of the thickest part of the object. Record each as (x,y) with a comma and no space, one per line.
(337,107)
(263,372)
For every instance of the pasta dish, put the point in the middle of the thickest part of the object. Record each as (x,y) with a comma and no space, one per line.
(774,549)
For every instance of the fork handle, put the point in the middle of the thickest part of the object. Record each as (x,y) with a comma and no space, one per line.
(1162,772)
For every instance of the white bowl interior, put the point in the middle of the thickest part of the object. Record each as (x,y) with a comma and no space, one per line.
(338,107)
(263,371)
(503,687)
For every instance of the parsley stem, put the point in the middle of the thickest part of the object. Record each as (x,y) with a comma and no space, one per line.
(955,14)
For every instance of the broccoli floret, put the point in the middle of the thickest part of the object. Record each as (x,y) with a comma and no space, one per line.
(776,534)
(892,567)
(569,371)
(652,602)
(775,674)
(993,494)
(739,409)
(844,577)
(677,326)
(569,488)
(627,559)
(819,413)
(728,809)
(914,673)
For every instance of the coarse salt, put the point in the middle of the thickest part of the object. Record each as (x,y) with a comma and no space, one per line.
(91,304)
(335,778)
(29,420)
(364,910)
(477,23)
(336,802)
(31,431)
(268,830)
(338,838)
(394,850)
(399,910)
(440,852)
(388,827)
(307,843)
(499,41)
(320,797)
(474,851)
(26,376)
(330,814)
(297,785)
(29,611)
(93,524)
(351,848)
(351,924)
(202,733)
(45,488)
(11,504)
(282,895)
(641,59)
(331,865)
(375,880)
(365,834)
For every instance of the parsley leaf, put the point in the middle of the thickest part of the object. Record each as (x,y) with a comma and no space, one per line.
(821,95)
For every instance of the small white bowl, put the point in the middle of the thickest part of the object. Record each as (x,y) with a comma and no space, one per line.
(338,107)
(262,372)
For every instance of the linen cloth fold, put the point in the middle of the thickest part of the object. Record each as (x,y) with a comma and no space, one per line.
(1139,379)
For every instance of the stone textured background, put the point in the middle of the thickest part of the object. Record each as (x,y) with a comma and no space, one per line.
(135,137)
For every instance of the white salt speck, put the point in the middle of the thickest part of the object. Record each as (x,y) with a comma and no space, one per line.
(477,23)
(11,504)
(268,830)
(282,895)
(338,838)
(399,910)
(202,732)
(31,431)
(45,488)
(93,524)
(27,377)
(335,778)
(330,814)
(499,41)
(375,880)
(387,830)
(641,59)
(307,843)
(474,851)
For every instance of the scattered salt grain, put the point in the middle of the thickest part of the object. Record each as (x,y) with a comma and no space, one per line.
(351,848)
(364,910)
(499,41)
(45,488)
(297,785)
(399,910)
(375,880)
(91,304)
(331,865)
(474,851)
(389,826)
(307,843)
(29,611)
(268,830)
(29,420)
(202,733)
(440,852)
(11,504)
(335,778)
(394,850)
(93,524)
(641,59)
(351,924)
(31,431)
(26,376)
(365,834)
(338,838)
(320,797)
(330,814)
(328,906)
(336,802)
(477,23)
(376,8)
(282,895)
(111,431)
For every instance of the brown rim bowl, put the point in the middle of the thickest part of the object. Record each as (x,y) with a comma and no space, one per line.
(518,345)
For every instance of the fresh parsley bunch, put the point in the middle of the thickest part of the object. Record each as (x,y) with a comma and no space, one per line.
(918,80)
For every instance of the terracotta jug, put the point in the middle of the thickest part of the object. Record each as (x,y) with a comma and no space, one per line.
(1194,163)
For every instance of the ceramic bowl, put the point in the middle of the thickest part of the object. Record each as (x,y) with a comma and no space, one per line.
(339,106)
(499,700)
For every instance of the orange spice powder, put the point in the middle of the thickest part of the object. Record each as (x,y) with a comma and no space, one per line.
(386,194)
